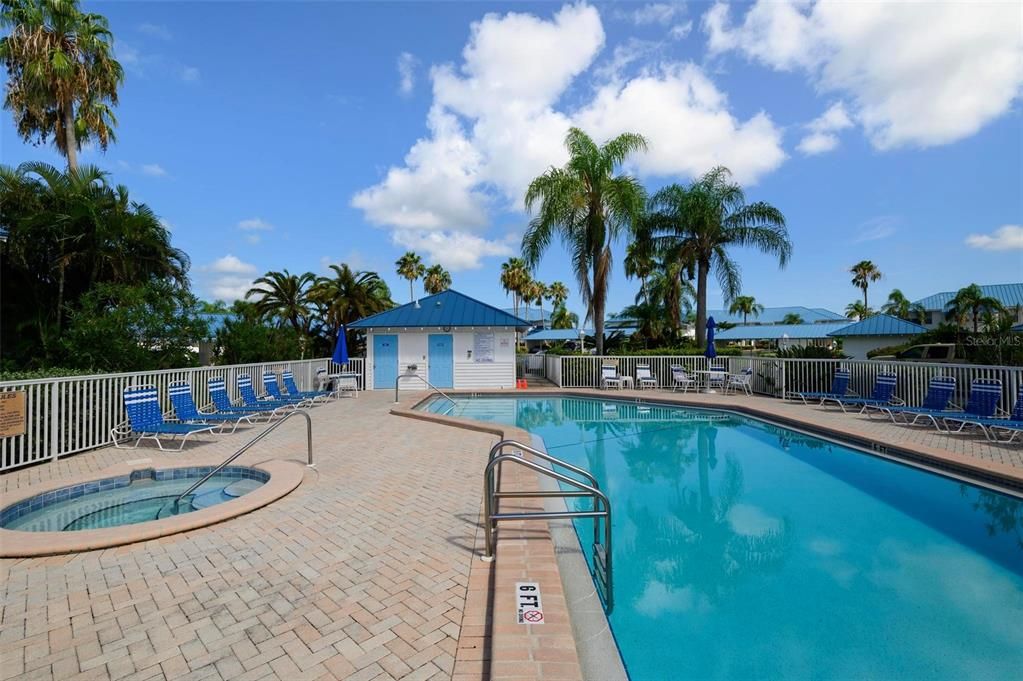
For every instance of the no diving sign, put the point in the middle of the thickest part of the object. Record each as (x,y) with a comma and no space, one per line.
(529,607)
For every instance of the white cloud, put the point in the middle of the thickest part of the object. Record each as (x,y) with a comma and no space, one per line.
(876,229)
(917,74)
(228,278)
(230,264)
(680,31)
(255,224)
(1005,238)
(657,13)
(153,169)
(455,250)
(190,74)
(407,64)
(821,135)
(155,31)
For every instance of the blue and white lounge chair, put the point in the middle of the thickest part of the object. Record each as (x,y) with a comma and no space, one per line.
(609,377)
(274,392)
(985,394)
(740,381)
(839,388)
(681,379)
(222,401)
(249,398)
(186,411)
(289,385)
(644,377)
(883,394)
(939,394)
(145,420)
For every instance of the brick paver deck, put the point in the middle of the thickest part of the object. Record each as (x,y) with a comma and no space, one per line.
(366,571)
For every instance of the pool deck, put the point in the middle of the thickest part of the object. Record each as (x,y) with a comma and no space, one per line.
(368,570)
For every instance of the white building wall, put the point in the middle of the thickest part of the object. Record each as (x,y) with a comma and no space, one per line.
(857,347)
(468,373)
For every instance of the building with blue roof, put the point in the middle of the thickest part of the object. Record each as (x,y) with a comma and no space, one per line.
(785,335)
(936,305)
(448,339)
(876,331)
(775,315)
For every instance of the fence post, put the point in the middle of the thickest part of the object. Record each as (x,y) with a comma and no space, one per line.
(54,421)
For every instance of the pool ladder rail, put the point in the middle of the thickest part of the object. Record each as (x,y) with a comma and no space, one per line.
(601,511)
(412,374)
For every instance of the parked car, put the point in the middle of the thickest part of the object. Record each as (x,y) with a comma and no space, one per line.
(931,352)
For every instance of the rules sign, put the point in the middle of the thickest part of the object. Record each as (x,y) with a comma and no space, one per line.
(529,607)
(12,413)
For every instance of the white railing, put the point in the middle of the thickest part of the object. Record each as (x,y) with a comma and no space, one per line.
(778,377)
(531,366)
(75,413)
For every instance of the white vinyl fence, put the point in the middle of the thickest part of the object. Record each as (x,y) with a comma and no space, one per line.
(75,413)
(778,377)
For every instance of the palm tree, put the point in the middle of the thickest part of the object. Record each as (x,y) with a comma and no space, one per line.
(557,293)
(285,297)
(350,295)
(970,301)
(745,305)
(62,77)
(899,305)
(697,225)
(436,279)
(639,263)
(410,266)
(588,206)
(534,292)
(863,273)
(857,310)
(792,318)
(514,278)
(561,318)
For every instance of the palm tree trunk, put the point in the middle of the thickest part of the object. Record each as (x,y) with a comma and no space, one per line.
(411,295)
(598,303)
(864,297)
(701,303)
(60,294)
(69,136)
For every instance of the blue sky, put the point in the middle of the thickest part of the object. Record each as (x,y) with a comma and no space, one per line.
(292,135)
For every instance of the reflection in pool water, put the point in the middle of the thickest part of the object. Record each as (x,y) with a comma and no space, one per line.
(745,550)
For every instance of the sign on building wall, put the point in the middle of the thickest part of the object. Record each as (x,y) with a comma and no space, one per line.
(12,413)
(483,346)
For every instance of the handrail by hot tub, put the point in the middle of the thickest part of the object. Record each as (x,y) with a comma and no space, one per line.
(411,374)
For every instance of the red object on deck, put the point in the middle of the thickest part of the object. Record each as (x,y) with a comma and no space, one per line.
(521,383)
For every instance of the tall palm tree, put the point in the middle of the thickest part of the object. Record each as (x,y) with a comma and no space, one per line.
(350,295)
(970,301)
(746,306)
(514,278)
(857,310)
(697,225)
(561,318)
(557,293)
(436,279)
(534,292)
(639,263)
(284,296)
(899,305)
(588,207)
(863,273)
(410,266)
(62,77)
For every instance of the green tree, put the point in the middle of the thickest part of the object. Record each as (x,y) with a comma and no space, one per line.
(863,273)
(410,266)
(639,263)
(62,77)
(699,223)
(349,296)
(900,306)
(561,318)
(793,318)
(858,310)
(284,297)
(970,302)
(588,207)
(436,279)
(514,278)
(248,340)
(746,306)
(557,293)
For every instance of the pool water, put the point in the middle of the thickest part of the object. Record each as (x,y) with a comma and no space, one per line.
(744,550)
(142,496)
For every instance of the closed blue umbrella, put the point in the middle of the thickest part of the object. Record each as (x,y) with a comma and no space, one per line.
(710,352)
(341,348)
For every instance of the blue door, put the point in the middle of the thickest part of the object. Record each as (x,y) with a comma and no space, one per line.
(385,361)
(442,363)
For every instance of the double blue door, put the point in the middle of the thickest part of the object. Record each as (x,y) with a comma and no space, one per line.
(385,361)
(442,362)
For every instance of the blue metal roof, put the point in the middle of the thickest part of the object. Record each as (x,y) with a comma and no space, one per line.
(1008,295)
(532,317)
(556,334)
(448,308)
(880,325)
(780,331)
(774,315)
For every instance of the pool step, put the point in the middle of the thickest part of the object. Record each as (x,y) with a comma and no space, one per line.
(243,486)
(208,499)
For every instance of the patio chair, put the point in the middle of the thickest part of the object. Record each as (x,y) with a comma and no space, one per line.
(980,410)
(883,394)
(680,379)
(717,378)
(222,401)
(939,394)
(289,385)
(609,377)
(839,388)
(249,398)
(273,391)
(145,420)
(644,377)
(740,381)
(186,411)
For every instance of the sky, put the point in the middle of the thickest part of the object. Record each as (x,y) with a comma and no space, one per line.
(293,135)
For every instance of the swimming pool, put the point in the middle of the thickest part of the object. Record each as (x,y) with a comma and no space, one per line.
(747,550)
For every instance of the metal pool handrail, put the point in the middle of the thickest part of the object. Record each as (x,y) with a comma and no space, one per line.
(430,385)
(245,447)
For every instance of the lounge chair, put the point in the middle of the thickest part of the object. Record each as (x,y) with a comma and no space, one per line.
(839,388)
(186,411)
(717,377)
(741,381)
(145,420)
(222,401)
(939,394)
(249,398)
(609,377)
(289,384)
(644,377)
(273,391)
(985,394)
(883,394)
(680,379)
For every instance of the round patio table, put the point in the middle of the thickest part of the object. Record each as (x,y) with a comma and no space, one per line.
(707,373)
